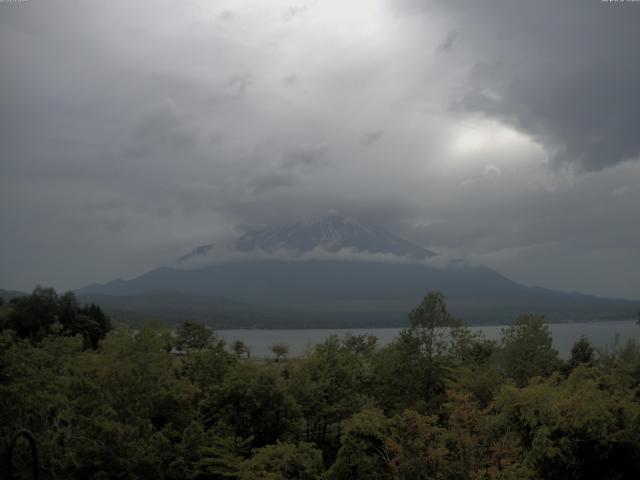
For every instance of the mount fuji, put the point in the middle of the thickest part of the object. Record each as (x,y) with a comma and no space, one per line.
(330,233)
(334,271)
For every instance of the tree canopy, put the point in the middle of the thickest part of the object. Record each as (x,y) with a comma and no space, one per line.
(45,313)
(439,402)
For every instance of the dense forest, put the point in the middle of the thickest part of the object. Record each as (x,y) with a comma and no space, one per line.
(440,402)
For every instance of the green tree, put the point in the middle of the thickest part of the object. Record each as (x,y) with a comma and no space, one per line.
(5,313)
(581,427)
(412,371)
(527,349)
(33,315)
(240,349)
(253,401)
(466,436)
(283,461)
(207,454)
(415,447)
(94,312)
(474,364)
(362,451)
(193,336)
(581,353)
(207,368)
(130,404)
(407,446)
(45,313)
(280,350)
(430,324)
(328,386)
(363,345)
(88,328)
(623,364)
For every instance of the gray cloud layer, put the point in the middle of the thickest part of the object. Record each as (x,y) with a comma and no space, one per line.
(495,130)
(564,72)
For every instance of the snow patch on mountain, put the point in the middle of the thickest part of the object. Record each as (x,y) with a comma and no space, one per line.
(332,232)
(332,236)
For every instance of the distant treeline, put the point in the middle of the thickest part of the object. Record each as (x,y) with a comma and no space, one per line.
(439,402)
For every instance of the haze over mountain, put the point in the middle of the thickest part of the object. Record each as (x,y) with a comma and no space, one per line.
(330,233)
(340,271)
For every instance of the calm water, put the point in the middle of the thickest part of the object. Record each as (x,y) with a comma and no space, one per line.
(601,334)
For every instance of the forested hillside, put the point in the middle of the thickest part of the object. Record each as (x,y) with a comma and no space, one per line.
(338,291)
(437,403)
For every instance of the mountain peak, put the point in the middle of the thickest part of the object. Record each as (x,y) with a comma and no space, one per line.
(331,232)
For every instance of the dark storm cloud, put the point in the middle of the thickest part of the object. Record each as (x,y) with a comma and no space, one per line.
(447,43)
(225,16)
(371,137)
(584,221)
(272,181)
(565,72)
(239,83)
(308,155)
(290,80)
(161,129)
(295,11)
(116,225)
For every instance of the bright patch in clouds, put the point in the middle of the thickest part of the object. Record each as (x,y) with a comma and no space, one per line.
(474,138)
(484,149)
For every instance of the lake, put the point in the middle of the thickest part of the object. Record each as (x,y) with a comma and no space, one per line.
(601,335)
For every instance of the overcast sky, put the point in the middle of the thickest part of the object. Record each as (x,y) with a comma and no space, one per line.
(506,132)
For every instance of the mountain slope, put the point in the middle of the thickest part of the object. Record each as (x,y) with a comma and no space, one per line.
(281,282)
(172,307)
(7,295)
(330,288)
(476,294)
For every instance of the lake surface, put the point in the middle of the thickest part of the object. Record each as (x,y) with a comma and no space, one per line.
(601,335)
